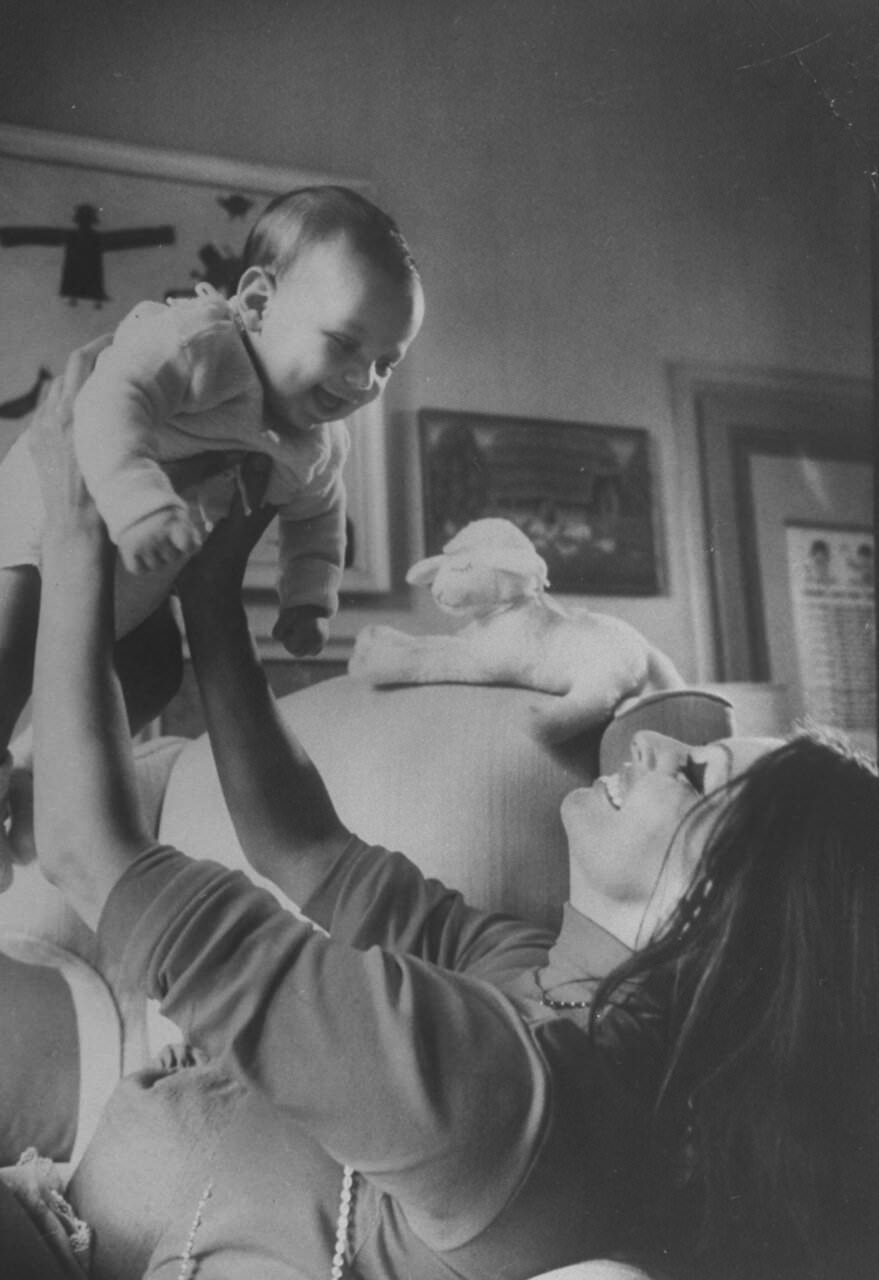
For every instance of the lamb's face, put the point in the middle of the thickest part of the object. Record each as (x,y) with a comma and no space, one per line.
(464,584)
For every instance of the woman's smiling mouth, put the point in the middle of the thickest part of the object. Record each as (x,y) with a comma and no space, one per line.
(613,789)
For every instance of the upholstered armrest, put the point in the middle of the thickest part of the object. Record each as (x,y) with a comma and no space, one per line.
(62,1051)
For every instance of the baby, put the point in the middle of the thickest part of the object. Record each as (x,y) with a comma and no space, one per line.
(327,305)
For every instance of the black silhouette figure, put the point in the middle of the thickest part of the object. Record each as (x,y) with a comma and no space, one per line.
(26,403)
(221,268)
(235,205)
(82,273)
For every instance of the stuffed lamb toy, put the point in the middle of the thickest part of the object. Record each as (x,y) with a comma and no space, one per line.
(491,574)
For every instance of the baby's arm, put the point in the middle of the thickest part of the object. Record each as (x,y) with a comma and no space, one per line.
(137,384)
(162,538)
(311,556)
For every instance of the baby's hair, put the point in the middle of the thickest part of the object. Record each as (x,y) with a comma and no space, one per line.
(312,215)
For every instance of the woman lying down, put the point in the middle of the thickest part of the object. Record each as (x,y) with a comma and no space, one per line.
(683,1081)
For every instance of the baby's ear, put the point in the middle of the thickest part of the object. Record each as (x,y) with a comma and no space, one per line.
(255,288)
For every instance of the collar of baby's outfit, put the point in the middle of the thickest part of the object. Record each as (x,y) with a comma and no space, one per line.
(234,305)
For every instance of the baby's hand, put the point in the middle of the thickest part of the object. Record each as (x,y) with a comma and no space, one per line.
(302,630)
(164,538)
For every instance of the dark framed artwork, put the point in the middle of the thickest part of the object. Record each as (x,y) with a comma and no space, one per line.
(582,493)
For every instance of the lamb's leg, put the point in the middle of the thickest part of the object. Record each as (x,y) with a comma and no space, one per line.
(384,655)
(573,713)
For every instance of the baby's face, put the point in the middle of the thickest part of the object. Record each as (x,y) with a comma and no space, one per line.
(332,331)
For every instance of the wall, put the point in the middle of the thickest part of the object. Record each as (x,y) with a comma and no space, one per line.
(593,189)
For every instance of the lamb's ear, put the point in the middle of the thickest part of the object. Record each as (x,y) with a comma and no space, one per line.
(423,572)
(526,564)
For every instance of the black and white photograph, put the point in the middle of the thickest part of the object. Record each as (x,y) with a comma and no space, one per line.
(438,723)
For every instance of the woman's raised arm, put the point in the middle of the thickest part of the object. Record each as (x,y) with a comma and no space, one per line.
(88,823)
(285,820)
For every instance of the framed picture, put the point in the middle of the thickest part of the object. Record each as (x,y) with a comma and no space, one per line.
(831,572)
(798,451)
(787,465)
(88,228)
(581,493)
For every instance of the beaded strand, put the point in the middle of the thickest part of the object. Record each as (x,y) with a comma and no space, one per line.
(344,1223)
(552,1002)
(188,1262)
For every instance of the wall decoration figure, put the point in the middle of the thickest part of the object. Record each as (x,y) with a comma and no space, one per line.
(235,204)
(220,264)
(24,404)
(220,267)
(82,270)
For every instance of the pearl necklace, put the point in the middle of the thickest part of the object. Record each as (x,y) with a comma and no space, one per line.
(552,1003)
(188,1262)
(344,1223)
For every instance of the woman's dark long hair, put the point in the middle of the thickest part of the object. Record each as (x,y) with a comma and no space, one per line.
(765,1159)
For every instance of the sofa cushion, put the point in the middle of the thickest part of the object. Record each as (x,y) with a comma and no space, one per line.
(39,1082)
(62,1048)
(448,774)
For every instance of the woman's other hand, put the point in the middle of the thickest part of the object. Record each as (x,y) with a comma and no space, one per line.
(65,497)
(219,567)
(16,819)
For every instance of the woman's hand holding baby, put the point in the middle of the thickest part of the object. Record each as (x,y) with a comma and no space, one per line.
(217,572)
(67,501)
(162,538)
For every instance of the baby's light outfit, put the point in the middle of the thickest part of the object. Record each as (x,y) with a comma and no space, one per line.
(178,381)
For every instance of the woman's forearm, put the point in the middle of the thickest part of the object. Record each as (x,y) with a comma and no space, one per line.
(283,815)
(88,824)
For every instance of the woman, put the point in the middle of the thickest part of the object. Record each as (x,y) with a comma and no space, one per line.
(652,1086)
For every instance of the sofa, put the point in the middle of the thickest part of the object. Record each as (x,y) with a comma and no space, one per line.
(450,774)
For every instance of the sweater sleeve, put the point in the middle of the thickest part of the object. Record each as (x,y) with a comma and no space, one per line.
(311,551)
(162,360)
(371,897)
(423,1079)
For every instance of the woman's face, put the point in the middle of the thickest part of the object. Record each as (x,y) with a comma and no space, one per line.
(631,857)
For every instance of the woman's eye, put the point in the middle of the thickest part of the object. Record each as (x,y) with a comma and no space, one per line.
(693,773)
